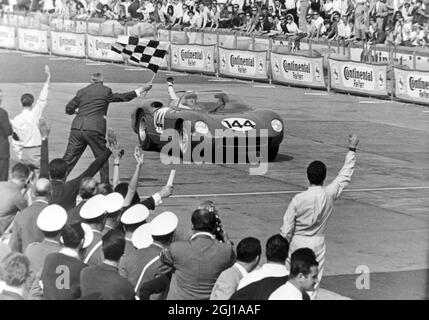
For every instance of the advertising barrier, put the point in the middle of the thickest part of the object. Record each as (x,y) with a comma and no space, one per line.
(411,85)
(68,44)
(358,77)
(243,63)
(99,48)
(7,37)
(298,70)
(193,57)
(33,40)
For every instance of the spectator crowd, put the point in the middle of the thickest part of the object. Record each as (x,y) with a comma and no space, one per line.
(395,22)
(78,238)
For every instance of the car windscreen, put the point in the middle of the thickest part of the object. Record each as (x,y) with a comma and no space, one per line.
(214,102)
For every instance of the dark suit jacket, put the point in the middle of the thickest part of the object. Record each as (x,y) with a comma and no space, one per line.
(64,194)
(260,290)
(25,230)
(5,132)
(92,102)
(197,264)
(105,280)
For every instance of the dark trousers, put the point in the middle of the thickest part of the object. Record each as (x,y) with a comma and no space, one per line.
(78,141)
(4,169)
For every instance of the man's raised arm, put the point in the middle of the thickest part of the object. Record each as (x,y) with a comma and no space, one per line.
(41,103)
(128,96)
(344,177)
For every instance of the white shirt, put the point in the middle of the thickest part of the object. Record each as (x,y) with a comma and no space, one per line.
(286,292)
(26,123)
(268,269)
(309,211)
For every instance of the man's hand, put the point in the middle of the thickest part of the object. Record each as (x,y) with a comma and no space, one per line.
(48,72)
(166,191)
(353,140)
(170,81)
(139,156)
(111,139)
(44,128)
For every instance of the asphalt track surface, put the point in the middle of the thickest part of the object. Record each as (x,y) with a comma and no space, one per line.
(381,221)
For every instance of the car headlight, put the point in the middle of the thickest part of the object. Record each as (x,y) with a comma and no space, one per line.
(277,125)
(201,127)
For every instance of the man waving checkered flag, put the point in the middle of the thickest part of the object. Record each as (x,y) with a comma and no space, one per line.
(147,53)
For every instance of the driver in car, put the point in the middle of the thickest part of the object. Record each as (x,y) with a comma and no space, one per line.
(189,101)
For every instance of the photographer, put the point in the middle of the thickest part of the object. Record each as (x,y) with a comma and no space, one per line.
(198,262)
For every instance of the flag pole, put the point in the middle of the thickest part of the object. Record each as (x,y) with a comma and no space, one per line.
(150,83)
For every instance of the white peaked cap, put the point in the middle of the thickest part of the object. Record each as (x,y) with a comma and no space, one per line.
(114,202)
(89,235)
(164,223)
(52,218)
(142,237)
(94,207)
(136,214)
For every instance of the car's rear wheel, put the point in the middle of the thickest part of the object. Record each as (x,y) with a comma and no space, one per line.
(143,134)
(272,153)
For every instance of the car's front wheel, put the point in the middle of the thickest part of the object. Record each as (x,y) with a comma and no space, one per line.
(143,134)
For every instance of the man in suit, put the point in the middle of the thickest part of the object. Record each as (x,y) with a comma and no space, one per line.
(5,132)
(89,126)
(87,189)
(248,256)
(24,229)
(103,279)
(198,262)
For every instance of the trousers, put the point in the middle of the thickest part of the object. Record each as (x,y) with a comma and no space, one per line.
(78,141)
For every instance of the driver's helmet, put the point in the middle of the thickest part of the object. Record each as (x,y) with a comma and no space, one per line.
(190,100)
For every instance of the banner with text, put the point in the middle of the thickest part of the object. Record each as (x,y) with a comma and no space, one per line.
(412,85)
(68,44)
(33,40)
(358,77)
(7,37)
(99,48)
(243,63)
(193,57)
(298,70)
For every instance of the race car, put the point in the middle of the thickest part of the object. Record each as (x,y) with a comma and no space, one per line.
(206,113)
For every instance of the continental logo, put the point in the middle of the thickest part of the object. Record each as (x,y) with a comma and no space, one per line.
(31,38)
(191,54)
(241,61)
(358,74)
(101,45)
(67,42)
(296,67)
(418,84)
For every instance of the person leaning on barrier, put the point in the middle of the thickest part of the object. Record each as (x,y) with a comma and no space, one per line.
(5,132)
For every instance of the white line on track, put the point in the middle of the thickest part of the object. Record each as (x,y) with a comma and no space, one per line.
(316,93)
(426,111)
(263,86)
(288,192)
(32,55)
(95,64)
(220,80)
(373,101)
(59,59)
(178,74)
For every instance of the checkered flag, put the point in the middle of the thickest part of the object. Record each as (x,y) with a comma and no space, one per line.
(147,53)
